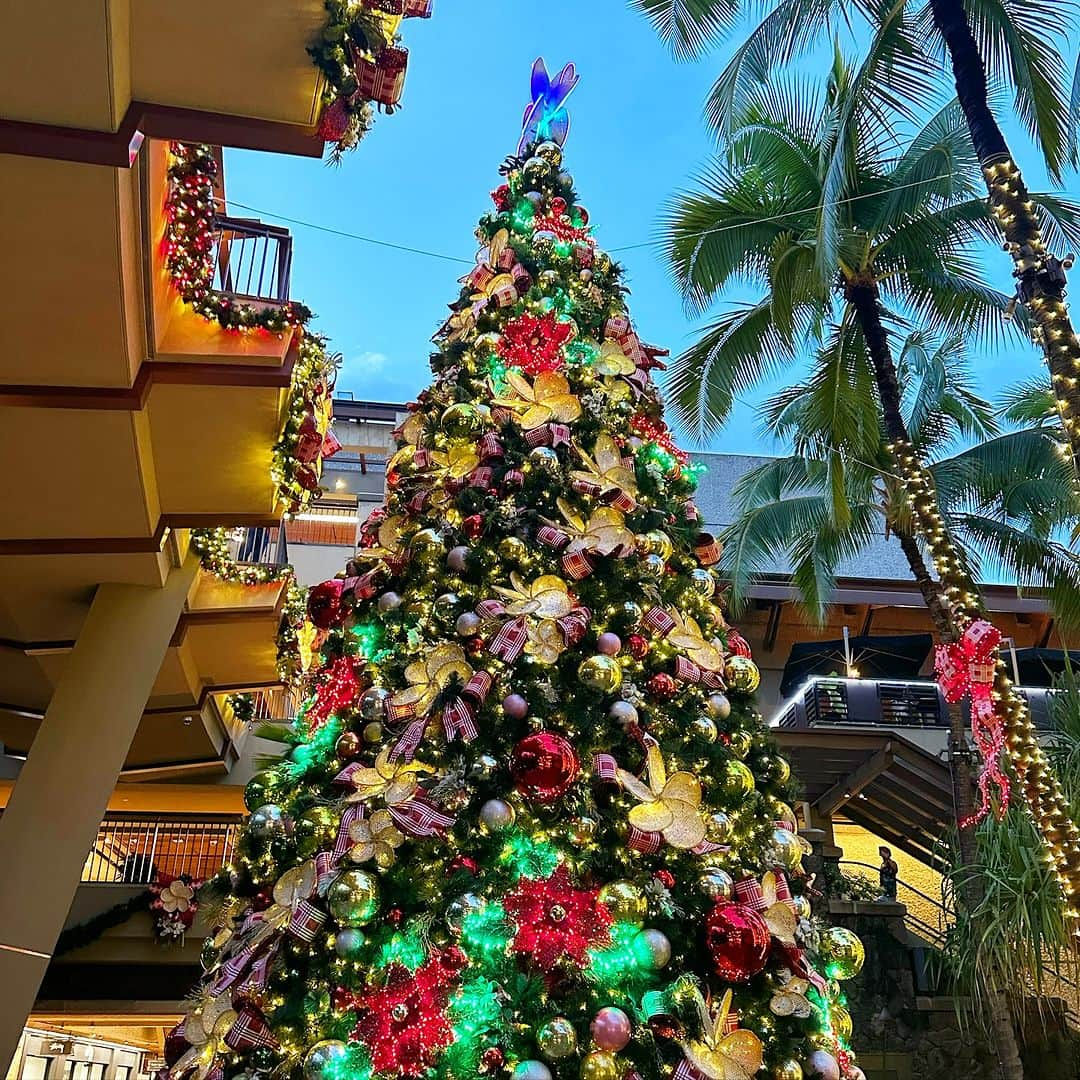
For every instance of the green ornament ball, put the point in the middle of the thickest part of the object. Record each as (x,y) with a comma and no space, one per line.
(843,952)
(461,420)
(353,897)
(261,789)
(315,830)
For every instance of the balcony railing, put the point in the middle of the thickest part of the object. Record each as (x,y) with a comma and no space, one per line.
(864,703)
(275,705)
(259,546)
(134,849)
(251,259)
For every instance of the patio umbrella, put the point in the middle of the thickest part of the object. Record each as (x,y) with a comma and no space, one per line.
(873,656)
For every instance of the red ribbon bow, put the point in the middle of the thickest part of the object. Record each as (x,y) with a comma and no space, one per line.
(965,668)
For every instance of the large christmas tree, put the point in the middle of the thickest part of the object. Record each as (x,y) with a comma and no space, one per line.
(530,824)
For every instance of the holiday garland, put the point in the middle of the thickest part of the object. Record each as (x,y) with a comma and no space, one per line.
(305,439)
(190,247)
(362,63)
(212,547)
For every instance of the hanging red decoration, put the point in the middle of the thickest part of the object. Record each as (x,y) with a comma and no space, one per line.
(544,766)
(534,343)
(403,1023)
(337,688)
(554,920)
(662,686)
(966,668)
(738,941)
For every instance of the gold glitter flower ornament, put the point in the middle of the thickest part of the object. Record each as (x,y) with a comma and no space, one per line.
(736,1055)
(669,805)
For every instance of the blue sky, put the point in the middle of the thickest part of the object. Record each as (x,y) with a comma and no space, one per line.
(422,178)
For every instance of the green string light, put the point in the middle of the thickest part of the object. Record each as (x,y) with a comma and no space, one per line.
(405,949)
(529,857)
(370,637)
(626,960)
(486,934)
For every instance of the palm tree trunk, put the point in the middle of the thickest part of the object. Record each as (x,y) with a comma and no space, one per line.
(1043,794)
(1041,277)
(943,613)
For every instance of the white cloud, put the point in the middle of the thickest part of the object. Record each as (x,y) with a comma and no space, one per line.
(366,363)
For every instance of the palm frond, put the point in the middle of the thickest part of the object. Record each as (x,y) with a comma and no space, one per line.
(1030,402)
(689,27)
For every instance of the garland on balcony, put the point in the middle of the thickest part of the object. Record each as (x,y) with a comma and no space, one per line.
(290,631)
(78,937)
(212,547)
(306,438)
(189,248)
(363,64)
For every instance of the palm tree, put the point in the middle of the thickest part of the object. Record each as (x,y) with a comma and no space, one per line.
(815,205)
(1006,499)
(1016,39)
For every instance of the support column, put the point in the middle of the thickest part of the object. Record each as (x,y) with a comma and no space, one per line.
(61,794)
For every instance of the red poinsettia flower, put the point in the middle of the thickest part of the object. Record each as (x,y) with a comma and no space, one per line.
(404,1023)
(324,603)
(555,920)
(534,343)
(501,197)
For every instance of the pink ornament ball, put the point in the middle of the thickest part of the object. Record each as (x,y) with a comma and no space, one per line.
(609,644)
(611,1029)
(515,706)
(822,1066)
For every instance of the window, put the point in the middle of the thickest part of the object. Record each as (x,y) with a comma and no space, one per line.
(122,1072)
(86,1070)
(35,1067)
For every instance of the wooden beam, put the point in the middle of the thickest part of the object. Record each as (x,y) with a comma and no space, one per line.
(850,786)
(772,627)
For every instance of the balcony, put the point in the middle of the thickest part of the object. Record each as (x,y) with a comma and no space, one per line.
(235,73)
(252,260)
(134,849)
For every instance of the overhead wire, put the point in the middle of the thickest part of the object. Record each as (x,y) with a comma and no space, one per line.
(408,249)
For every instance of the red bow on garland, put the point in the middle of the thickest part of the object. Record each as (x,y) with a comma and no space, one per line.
(966,668)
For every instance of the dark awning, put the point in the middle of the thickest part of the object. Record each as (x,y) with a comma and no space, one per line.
(875,657)
(1040,667)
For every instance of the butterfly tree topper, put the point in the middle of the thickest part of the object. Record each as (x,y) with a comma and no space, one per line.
(546,118)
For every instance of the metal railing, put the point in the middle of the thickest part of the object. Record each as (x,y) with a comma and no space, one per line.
(275,704)
(134,849)
(251,259)
(259,546)
(831,702)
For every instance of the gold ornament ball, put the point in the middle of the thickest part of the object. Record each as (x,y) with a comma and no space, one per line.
(741,673)
(602,673)
(353,897)
(718,827)
(654,566)
(781,771)
(788,1070)
(840,1019)
(581,831)
(461,420)
(832,989)
(843,951)
(738,780)
(626,902)
(427,547)
(802,907)
(656,543)
(551,152)
(821,1040)
(786,849)
(600,1065)
(512,548)
(739,743)
(702,582)
(703,728)
(557,1039)
(782,812)
(716,884)
(373,733)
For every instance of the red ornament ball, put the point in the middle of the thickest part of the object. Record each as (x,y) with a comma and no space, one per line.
(492,1059)
(738,940)
(666,878)
(738,645)
(662,686)
(501,197)
(324,603)
(558,206)
(473,526)
(638,646)
(544,766)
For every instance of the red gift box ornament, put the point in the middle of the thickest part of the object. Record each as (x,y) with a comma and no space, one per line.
(965,668)
(418,9)
(381,79)
(334,122)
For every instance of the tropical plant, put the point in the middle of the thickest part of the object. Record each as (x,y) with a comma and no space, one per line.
(842,225)
(1006,499)
(1013,41)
